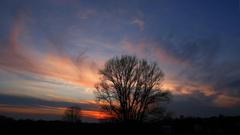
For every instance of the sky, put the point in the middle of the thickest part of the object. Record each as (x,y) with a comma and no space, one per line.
(51,51)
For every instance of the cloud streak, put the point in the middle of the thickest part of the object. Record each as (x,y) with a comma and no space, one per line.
(39,107)
(20,57)
(52,111)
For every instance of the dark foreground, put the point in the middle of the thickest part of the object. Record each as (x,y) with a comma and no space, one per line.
(183,126)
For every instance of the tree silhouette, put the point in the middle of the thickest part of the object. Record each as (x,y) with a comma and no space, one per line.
(129,88)
(72,114)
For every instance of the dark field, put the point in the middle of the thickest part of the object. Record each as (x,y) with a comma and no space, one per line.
(186,126)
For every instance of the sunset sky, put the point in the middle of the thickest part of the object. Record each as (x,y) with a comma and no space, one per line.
(51,51)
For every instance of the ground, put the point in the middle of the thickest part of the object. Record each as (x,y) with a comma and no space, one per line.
(187,126)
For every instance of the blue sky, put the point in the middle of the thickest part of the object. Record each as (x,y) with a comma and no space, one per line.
(52,50)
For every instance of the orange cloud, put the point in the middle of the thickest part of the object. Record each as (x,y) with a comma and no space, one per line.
(181,88)
(63,67)
(20,57)
(227,101)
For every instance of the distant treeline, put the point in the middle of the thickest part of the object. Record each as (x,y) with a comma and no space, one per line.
(221,125)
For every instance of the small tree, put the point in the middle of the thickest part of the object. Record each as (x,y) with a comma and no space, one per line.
(72,114)
(129,88)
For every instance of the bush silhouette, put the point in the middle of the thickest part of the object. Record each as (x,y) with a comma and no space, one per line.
(72,114)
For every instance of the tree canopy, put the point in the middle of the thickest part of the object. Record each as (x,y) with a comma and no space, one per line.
(130,88)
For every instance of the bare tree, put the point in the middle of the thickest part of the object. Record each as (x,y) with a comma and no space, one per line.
(129,88)
(72,114)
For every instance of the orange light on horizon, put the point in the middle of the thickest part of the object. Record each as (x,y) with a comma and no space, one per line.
(47,110)
(95,114)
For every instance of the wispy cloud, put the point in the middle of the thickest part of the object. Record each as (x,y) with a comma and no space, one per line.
(86,13)
(20,57)
(139,23)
